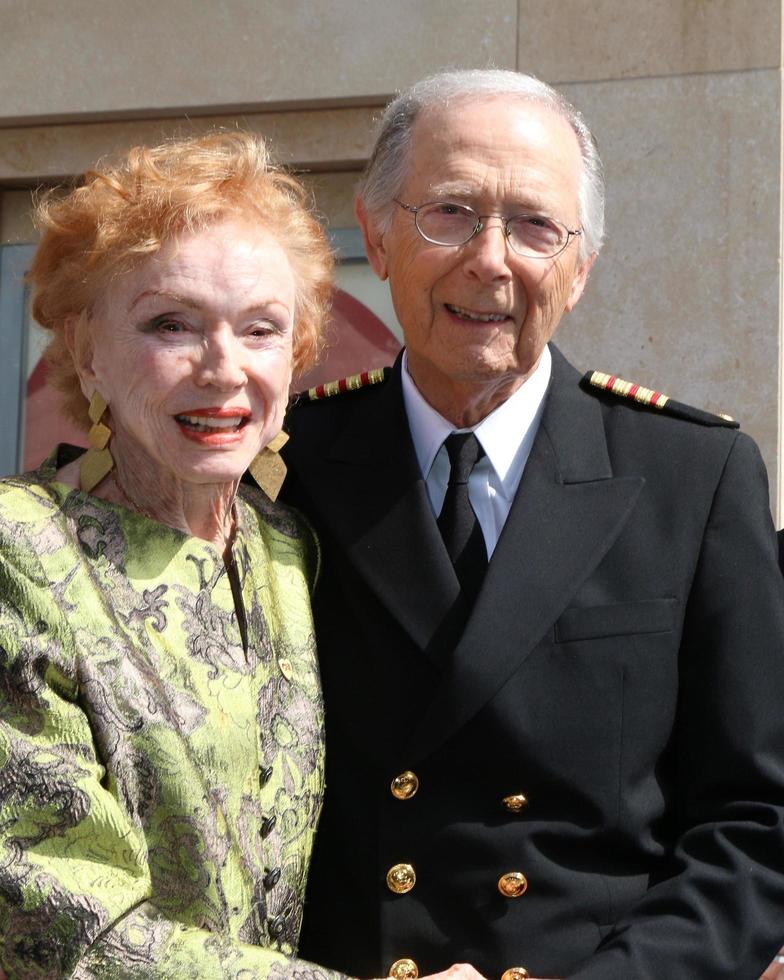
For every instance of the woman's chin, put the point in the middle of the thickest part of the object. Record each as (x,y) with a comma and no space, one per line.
(226,468)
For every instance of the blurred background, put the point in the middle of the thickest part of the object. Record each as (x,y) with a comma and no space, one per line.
(684,97)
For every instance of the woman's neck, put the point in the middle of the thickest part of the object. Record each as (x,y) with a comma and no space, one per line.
(203,510)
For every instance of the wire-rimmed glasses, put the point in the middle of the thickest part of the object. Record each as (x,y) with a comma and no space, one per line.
(531,235)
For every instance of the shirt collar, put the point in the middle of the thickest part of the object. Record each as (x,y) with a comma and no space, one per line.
(513,425)
(501,433)
(428,427)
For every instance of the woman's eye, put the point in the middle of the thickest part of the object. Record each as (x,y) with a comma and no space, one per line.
(167,324)
(263,328)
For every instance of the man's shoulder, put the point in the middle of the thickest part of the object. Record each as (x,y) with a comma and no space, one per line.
(616,392)
(324,404)
(354,382)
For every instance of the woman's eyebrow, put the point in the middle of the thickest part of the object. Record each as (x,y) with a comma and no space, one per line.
(259,309)
(166,294)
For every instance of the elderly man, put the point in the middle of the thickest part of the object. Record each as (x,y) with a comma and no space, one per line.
(550,616)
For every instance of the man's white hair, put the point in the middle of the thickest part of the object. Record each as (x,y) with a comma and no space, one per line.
(387,167)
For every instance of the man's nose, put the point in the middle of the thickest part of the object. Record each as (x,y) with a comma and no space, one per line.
(487,254)
(221,361)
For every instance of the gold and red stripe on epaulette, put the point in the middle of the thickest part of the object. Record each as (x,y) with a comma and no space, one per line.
(627,389)
(351,383)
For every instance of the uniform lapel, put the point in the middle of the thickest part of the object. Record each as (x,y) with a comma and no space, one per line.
(568,511)
(379,513)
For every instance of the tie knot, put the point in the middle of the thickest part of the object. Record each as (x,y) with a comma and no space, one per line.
(464,451)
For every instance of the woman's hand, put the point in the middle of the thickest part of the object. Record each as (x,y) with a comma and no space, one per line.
(459,971)
(464,971)
(774,972)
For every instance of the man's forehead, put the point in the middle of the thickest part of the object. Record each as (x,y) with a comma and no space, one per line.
(510,142)
(449,121)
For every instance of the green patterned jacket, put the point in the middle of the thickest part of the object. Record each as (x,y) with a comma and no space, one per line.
(161,750)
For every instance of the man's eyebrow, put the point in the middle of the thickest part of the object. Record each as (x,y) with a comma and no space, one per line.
(463,193)
(440,192)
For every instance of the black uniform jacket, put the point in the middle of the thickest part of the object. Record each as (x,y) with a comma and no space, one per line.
(623,670)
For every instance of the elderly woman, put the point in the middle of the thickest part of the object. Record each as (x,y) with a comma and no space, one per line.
(160,716)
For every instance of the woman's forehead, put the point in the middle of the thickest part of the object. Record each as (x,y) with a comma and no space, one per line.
(230,256)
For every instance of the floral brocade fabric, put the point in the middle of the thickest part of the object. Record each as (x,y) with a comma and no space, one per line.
(161,750)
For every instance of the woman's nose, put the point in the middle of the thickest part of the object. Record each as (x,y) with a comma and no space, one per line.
(221,363)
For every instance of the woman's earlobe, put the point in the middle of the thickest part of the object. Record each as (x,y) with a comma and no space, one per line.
(76,330)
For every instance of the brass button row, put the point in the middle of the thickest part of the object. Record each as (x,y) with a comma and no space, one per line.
(406,784)
(406,969)
(401,878)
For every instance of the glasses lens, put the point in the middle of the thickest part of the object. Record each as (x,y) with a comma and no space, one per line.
(531,234)
(446,224)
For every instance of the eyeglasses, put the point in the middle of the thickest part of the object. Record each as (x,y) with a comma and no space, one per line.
(531,235)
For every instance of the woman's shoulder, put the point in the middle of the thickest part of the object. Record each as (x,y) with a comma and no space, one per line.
(285,530)
(25,497)
(279,517)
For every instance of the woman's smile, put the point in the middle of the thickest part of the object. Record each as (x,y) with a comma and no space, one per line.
(213,426)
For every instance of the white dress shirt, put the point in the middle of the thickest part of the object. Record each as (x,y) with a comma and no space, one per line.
(506,435)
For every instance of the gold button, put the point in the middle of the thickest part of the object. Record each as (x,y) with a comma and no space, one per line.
(515,973)
(401,878)
(516,803)
(405,785)
(404,970)
(513,884)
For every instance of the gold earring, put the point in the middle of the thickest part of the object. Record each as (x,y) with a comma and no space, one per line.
(268,469)
(97,461)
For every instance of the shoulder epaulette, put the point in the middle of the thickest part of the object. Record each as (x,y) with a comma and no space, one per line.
(352,383)
(653,399)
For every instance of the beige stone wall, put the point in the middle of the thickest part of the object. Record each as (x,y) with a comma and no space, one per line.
(684,97)
(686,295)
(148,57)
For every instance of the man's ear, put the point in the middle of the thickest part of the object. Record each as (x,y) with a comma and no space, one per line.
(578,283)
(79,341)
(374,240)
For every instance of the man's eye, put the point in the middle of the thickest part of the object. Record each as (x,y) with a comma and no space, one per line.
(448,209)
(534,224)
(535,221)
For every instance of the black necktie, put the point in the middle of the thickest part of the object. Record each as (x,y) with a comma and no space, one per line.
(457,521)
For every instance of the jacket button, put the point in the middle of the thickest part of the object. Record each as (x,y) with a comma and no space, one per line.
(264,775)
(513,884)
(515,973)
(267,824)
(271,878)
(401,878)
(405,785)
(276,926)
(404,969)
(515,803)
